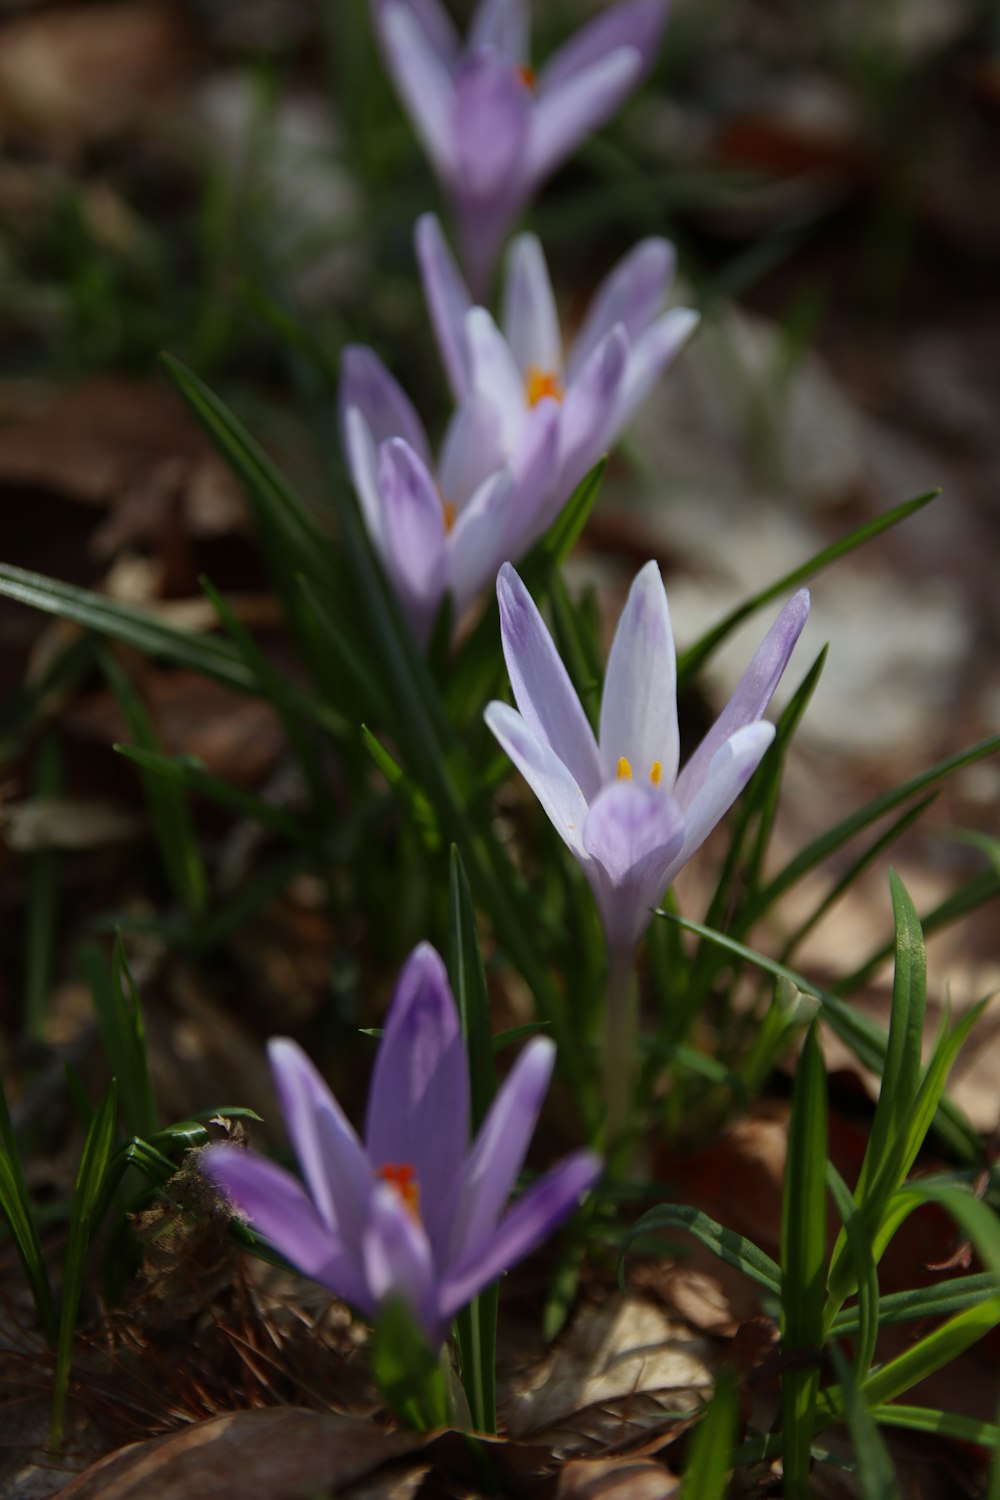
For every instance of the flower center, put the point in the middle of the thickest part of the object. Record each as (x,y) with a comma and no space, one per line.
(402,1179)
(525,74)
(625,770)
(449,510)
(539,383)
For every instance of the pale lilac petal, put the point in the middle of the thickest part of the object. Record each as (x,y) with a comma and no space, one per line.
(569,111)
(631,294)
(399,1263)
(490,121)
(418,1103)
(542,689)
(435,21)
(473,450)
(495,374)
(731,767)
(529,318)
(632,833)
(649,357)
(413,532)
(639,703)
(537,496)
(503,26)
(280,1210)
(538,1214)
(481,226)
(589,408)
(476,543)
(751,697)
(365,384)
(490,1170)
(362,461)
(448,300)
(637,24)
(424,83)
(561,798)
(332,1159)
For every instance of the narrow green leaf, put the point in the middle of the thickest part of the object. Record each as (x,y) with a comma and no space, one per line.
(119,1016)
(919,1303)
(932,1353)
(729,1246)
(189,772)
(410,795)
(970,895)
(706,1474)
(512,1034)
(859,1252)
(875,1473)
(16,1207)
(695,657)
(86,1197)
(564,533)
(944,1423)
(407,1372)
(42,897)
(803,1263)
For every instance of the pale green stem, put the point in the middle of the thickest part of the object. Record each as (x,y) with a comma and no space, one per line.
(621,1038)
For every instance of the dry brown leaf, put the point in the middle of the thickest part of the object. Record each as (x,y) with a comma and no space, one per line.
(65,823)
(281,1452)
(615,1479)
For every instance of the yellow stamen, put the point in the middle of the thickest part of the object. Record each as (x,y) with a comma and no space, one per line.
(656,773)
(450,511)
(624,769)
(526,75)
(539,383)
(401,1178)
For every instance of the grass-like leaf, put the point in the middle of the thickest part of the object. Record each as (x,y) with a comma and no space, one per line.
(706,1475)
(735,1249)
(189,772)
(859,1252)
(16,1208)
(919,1303)
(87,1196)
(119,1016)
(875,1473)
(42,897)
(803,1263)
(944,1423)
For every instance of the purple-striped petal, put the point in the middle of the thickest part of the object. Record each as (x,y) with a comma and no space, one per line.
(434,19)
(473,450)
(537,497)
(476,543)
(649,357)
(567,112)
(279,1209)
(639,703)
(490,1171)
(541,685)
(632,834)
(366,385)
(502,26)
(332,1159)
(414,539)
(542,1209)
(399,1263)
(638,24)
(631,294)
(589,408)
(418,1103)
(751,697)
(731,767)
(495,374)
(447,299)
(561,798)
(529,318)
(424,82)
(490,120)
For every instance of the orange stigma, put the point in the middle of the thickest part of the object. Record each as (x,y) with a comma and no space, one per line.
(401,1178)
(539,383)
(526,75)
(450,510)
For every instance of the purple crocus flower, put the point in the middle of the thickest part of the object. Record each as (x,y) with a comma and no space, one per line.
(439,529)
(414,1212)
(617,800)
(492,129)
(624,344)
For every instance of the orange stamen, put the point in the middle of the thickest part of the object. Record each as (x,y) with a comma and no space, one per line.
(450,511)
(402,1179)
(539,383)
(526,75)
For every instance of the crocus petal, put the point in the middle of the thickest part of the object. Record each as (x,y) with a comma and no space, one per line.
(495,374)
(639,704)
(542,1209)
(418,1103)
(632,834)
(731,768)
(476,543)
(537,495)
(435,21)
(649,357)
(279,1209)
(490,119)
(398,1261)
(413,532)
(473,449)
(529,318)
(423,80)
(631,294)
(751,697)
(542,688)
(447,299)
(567,112)
(366,384)
(589,408)
(544,772)
(481,227)
(491,1168)
(362,459)
(638,23)
(502,26)
(332,1159)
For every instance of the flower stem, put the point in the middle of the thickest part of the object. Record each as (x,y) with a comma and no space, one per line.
(620,1039)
